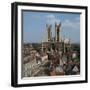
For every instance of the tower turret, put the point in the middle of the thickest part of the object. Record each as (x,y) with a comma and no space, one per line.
(49,34)
(57,32)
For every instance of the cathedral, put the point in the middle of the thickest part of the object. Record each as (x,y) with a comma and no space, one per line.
(56,43)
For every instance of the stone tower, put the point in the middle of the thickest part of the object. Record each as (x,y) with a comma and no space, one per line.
(57,32)
(49,34)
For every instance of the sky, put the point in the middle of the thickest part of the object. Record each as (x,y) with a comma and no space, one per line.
(34,25)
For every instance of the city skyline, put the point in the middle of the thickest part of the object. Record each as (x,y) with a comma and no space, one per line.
(34,25)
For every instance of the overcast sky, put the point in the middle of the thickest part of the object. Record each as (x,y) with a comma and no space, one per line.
(34,25)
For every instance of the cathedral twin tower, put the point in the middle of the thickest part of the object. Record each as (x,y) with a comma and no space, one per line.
(57,32)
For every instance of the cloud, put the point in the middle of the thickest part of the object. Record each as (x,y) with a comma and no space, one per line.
(71,29)
(72,24)
(51,16)
(51,19)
